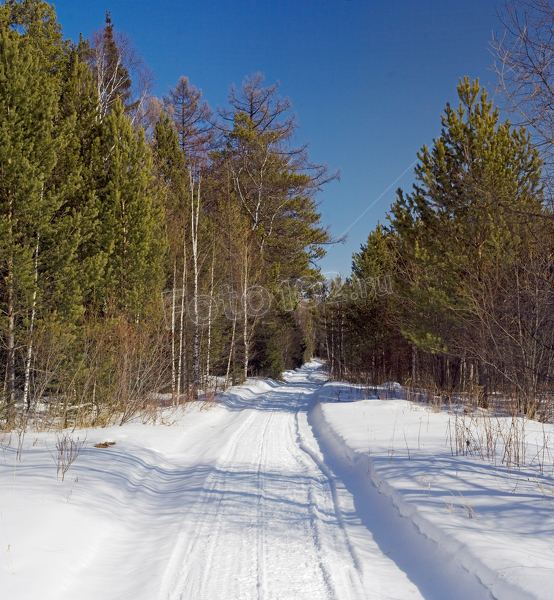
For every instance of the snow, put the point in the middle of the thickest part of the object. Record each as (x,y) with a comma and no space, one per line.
(303,489)
(490,520)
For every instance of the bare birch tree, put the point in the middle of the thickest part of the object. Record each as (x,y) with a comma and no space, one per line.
(524,63)
(191,118)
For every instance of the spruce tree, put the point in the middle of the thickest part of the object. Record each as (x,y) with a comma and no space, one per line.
(109,65)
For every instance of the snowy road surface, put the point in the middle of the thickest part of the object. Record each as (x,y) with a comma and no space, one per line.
(240,501)
(271,519)
(265,524)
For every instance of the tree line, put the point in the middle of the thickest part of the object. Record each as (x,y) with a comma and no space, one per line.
(141,237)
(469,251)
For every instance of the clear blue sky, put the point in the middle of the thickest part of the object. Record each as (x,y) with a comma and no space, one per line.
(368,78)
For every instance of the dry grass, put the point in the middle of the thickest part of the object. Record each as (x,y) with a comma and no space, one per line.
(67,451)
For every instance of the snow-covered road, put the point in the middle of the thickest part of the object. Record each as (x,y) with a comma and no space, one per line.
(265,524)
(246,500)
(273,522)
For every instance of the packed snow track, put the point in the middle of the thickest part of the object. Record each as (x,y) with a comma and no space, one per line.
(273,522)
(251,498)
(265,524)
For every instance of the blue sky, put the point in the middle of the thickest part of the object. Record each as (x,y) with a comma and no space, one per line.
(368,79)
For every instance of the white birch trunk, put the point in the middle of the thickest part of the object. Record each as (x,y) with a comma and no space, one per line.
(195,214)
(231,351)
(244,307)
(210,317)
(26,401)
(181,332)
(173,367)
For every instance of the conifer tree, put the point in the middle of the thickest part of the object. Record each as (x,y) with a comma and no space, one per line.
(120,72)
(372,310)
(131,216)
(275,187)
(171,170)
(113,77)
(275,183)
(459,226)
(28,144)
(192,118)
(76,259)
(36,22)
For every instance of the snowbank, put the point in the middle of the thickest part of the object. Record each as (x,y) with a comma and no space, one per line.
(496,523)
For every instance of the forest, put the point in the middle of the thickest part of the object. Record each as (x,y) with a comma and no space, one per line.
(154,249)
(146,243)
(467,255)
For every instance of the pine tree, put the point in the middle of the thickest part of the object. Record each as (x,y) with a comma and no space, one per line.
(173,179)
(458,232)
(36,22)
(476,170)
(373,311)
(28,144)
(79,272)
(131,231)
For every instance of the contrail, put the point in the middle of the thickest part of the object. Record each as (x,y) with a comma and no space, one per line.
(373,203)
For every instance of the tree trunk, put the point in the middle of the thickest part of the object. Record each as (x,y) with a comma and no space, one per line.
(11,337)
(182,338)
(11,316)
(231,351)
(210,317)
(26,399)
(195,214)
(173,367)
(245,311)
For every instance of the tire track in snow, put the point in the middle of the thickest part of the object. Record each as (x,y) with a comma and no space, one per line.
(283,444)
(177,572)
(268,523)
(353,569)
(261,463)
(259,515)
